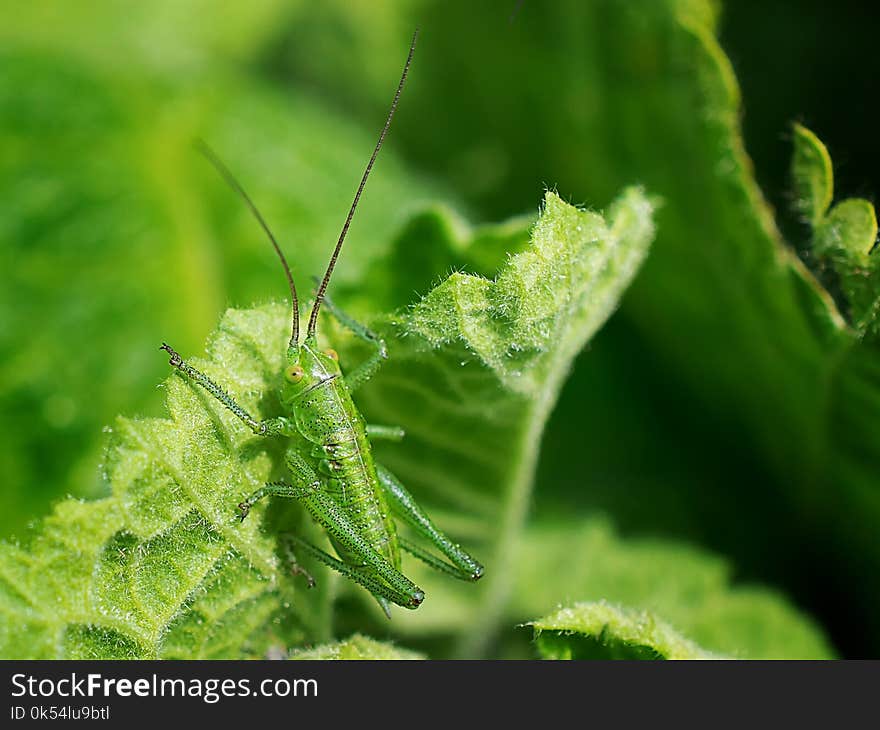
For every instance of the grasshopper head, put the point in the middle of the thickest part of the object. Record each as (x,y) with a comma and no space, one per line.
(306,368)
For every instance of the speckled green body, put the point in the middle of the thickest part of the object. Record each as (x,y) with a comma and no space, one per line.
(326,416)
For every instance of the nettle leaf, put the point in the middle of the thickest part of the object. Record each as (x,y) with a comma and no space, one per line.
(474,371)
(844,237)
(690,589)
(583,560)
(752,429)
(356,647)
(734,402)
(812,175)
(163,568)
(604,631)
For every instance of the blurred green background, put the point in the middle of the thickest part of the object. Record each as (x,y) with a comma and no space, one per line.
(115,236)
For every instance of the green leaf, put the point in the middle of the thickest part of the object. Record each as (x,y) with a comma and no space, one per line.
(164,568)
(692,590)
(844,238)
(356,647)
(732,403)
(486,358)
(812,175)
(604,631)
(752,429)
(558,563)
(160,568)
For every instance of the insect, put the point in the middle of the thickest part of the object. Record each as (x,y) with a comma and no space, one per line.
(332,470)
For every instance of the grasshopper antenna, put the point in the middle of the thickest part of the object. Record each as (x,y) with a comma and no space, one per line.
(319,296)
(211,156)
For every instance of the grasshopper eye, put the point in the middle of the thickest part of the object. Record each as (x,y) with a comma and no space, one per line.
(332,354)
(294,373)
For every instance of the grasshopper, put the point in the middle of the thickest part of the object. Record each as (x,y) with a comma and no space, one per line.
(333,473)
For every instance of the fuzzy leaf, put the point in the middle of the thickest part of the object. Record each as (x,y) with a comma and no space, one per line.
(163,568)
(586,561)
(686,586)
(486,358)
(356,647)
(604,631)
(844,237)
(734,402)
(812,175)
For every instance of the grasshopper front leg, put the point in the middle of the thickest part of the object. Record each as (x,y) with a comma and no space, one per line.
(268,427)
(462,566)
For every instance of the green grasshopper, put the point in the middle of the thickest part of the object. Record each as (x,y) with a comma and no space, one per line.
(333,472)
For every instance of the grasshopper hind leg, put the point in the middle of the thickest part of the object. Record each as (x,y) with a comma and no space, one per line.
(384,594)
(460,565)
(366,567)
(289,541)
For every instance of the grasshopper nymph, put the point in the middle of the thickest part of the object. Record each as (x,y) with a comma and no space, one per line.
(335,477)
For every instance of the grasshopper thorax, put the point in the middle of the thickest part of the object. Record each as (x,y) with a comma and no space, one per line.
(306,368)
